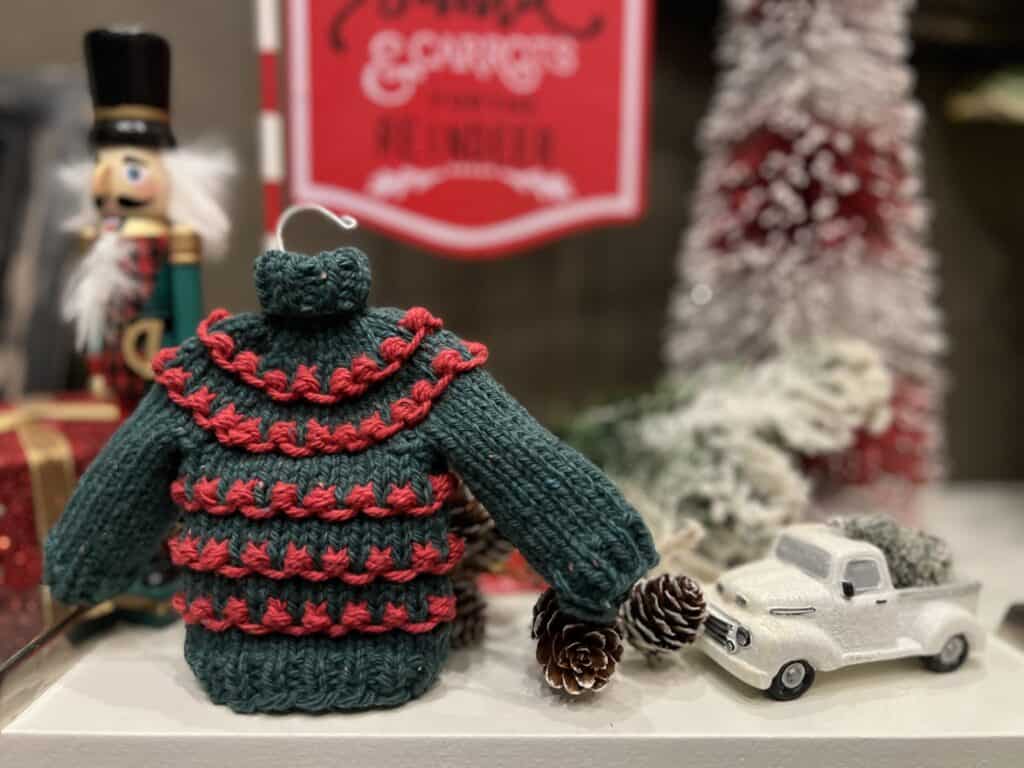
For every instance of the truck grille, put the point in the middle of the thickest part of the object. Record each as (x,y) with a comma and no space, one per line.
(719,630)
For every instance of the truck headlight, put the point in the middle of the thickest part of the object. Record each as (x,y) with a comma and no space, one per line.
(743,637)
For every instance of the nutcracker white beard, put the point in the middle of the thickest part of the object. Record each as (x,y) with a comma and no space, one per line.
(199,179)
(97,280)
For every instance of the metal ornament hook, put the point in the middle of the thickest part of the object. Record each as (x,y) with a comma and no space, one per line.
(344,221)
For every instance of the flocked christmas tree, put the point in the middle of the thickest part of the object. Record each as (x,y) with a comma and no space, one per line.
(808,220)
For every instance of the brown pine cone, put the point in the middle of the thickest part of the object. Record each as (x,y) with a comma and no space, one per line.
(576,656)
(486,548)
(663,614)
(470,612)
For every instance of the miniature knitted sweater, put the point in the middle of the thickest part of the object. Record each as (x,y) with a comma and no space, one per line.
(308,452)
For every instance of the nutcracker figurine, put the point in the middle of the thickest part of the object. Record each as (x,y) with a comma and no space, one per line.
(149,209)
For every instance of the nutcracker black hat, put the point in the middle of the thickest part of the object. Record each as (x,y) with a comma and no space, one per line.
(130,81)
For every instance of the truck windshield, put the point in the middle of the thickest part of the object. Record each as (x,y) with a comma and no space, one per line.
(808,558)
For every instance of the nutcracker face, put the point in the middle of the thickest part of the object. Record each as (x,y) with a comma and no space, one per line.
(130,181)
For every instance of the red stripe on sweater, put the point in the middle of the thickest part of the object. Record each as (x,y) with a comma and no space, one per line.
(315,619)
(304,384)
(215,557)
(320,502)
(237,430)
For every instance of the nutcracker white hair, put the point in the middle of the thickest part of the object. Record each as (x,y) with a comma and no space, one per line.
(200,186)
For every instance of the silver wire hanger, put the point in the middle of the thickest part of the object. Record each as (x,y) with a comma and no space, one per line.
(343,221)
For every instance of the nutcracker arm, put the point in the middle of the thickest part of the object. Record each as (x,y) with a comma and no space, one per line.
(186,284)
(567,518)
(120,510)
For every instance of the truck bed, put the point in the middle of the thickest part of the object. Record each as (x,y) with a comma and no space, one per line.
(964,591)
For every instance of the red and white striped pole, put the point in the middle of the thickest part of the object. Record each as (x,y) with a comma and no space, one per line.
(268,42)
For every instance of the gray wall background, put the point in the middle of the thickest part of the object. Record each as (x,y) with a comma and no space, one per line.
(579,320)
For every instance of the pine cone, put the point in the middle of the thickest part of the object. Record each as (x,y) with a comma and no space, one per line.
(663,614)
(470,612)
(576,656)
(485,546)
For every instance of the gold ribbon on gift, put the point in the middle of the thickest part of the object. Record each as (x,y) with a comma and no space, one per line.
(32,410)
(50,457)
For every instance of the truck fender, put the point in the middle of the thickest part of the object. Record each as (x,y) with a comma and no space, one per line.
(940,621)
(808,639)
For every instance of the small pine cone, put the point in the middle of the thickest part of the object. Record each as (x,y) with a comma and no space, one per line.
(485,546)
(470,612)
(663,614)
(576,656)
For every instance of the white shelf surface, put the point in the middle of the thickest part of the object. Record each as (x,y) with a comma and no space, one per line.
(131,700)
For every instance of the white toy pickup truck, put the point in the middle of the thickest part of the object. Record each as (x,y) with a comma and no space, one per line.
(824,601)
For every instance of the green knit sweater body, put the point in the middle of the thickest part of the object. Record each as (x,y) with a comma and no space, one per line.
(308,454)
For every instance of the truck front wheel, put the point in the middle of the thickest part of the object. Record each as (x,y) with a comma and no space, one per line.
(792,680)
(951,657)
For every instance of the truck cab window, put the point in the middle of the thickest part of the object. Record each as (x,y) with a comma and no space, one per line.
(810,559)
(863,574)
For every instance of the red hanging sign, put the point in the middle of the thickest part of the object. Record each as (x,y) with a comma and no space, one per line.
(471,127)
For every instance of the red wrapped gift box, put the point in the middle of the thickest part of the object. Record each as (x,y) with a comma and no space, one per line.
(23,612)
(45,445)
(512,576)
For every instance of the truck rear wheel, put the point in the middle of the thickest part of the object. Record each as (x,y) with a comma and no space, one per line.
(792,681)
(951,657)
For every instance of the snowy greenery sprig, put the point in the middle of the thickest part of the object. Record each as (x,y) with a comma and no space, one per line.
(723,448)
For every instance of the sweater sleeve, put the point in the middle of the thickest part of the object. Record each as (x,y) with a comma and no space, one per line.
(566,517)
(120,509)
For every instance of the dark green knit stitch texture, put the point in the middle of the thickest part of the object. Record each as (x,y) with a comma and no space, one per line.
(565,516)
(315,674)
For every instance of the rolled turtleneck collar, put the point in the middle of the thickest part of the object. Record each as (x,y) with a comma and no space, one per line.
(303,287)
